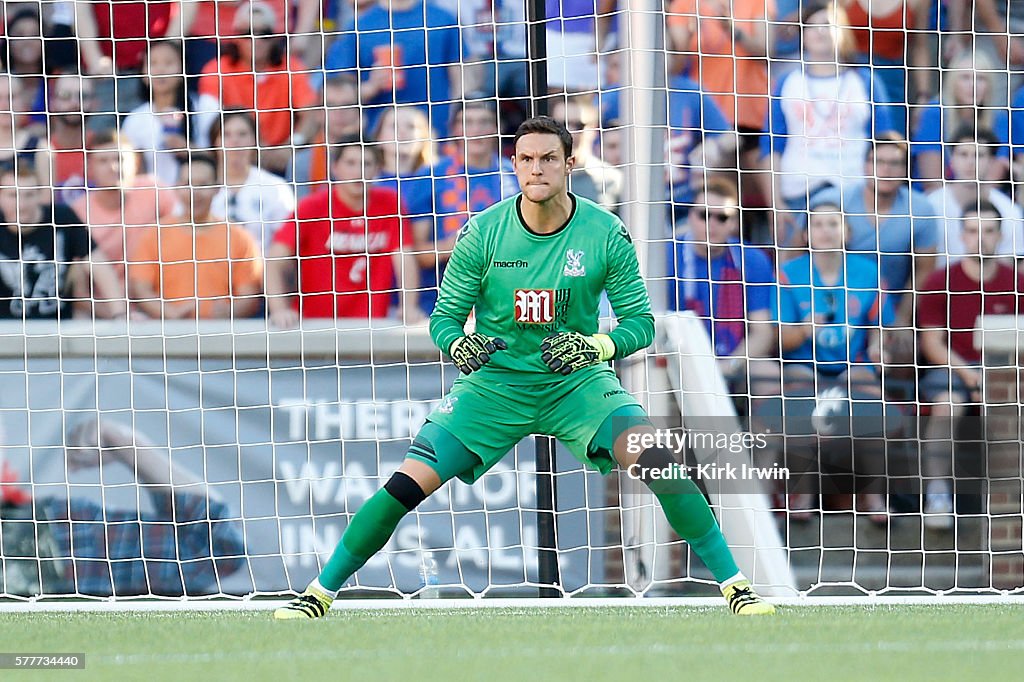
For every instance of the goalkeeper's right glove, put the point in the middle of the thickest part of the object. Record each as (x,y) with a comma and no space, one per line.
(473,351)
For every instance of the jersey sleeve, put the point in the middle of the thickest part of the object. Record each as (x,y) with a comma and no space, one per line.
(776,125)
(80,244)
(144,260)
(209,80)
(628,296)
(246,265)
(343,54)
(460,286)
(932,310)
(760,286)
(288,233)
(926,223)
(927,135)
(789,311)
(713,121)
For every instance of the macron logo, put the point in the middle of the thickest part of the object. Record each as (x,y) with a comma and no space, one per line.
(518,264)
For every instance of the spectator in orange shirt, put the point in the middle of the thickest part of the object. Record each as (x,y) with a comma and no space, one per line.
(255,73)
(196,266)
(724,46)
(119,201)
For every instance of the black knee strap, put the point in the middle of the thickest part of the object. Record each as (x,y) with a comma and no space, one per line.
(404,489)
(654,458)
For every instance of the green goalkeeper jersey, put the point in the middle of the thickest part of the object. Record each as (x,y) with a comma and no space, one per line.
(526,285)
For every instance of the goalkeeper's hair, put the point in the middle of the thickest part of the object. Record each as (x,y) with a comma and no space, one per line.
(545,125)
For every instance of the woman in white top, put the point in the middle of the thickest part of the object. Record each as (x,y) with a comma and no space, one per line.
(821,120)
(168,122)
(251,197)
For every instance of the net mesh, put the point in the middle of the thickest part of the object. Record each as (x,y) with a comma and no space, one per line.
(225,225)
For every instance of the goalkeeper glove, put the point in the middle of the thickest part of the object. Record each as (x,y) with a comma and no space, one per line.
(566,352)
(473,351)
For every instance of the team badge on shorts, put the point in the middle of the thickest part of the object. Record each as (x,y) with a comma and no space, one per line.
(447,405)
(574,264)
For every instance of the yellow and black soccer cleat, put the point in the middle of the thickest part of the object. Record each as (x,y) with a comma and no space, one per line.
(744,601)
(310,604)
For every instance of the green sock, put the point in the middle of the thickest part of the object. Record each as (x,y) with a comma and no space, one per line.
(367,532)
(690,516)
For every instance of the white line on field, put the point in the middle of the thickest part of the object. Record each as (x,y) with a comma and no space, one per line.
(113,606)
(528,652)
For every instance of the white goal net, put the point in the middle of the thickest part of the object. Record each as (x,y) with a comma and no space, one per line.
(223,225)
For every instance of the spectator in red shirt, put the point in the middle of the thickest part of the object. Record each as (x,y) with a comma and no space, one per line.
(947,312)
(351,241)
(112,37)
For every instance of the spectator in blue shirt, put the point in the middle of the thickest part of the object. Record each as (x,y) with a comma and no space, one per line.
(831,312)
(410,159)
(698,134)
(699,137)
(472,177)
(186,545)
(895,226)
(1017,128)
(406,52)
(830,304)
(730,286)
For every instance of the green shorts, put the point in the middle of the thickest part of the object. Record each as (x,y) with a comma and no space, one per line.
(490,417)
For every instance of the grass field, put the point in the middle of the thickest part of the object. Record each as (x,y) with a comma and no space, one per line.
(618,643)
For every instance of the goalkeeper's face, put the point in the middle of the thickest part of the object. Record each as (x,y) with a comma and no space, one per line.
(541,167)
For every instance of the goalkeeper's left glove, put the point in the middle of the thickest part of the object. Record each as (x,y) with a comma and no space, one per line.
(473,351)
(566,352)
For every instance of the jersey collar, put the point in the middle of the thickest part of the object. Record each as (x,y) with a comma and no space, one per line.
(522,221)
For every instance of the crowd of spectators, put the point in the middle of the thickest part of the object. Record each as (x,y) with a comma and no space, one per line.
(838,173)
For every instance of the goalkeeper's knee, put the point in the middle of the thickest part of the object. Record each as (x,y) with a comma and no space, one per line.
(661,459)
(405,490)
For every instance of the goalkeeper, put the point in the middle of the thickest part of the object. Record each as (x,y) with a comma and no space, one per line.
(534,266)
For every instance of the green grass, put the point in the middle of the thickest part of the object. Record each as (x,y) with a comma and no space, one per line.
(619,643)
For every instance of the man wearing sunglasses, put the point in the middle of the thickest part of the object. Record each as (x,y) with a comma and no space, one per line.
(730,286)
